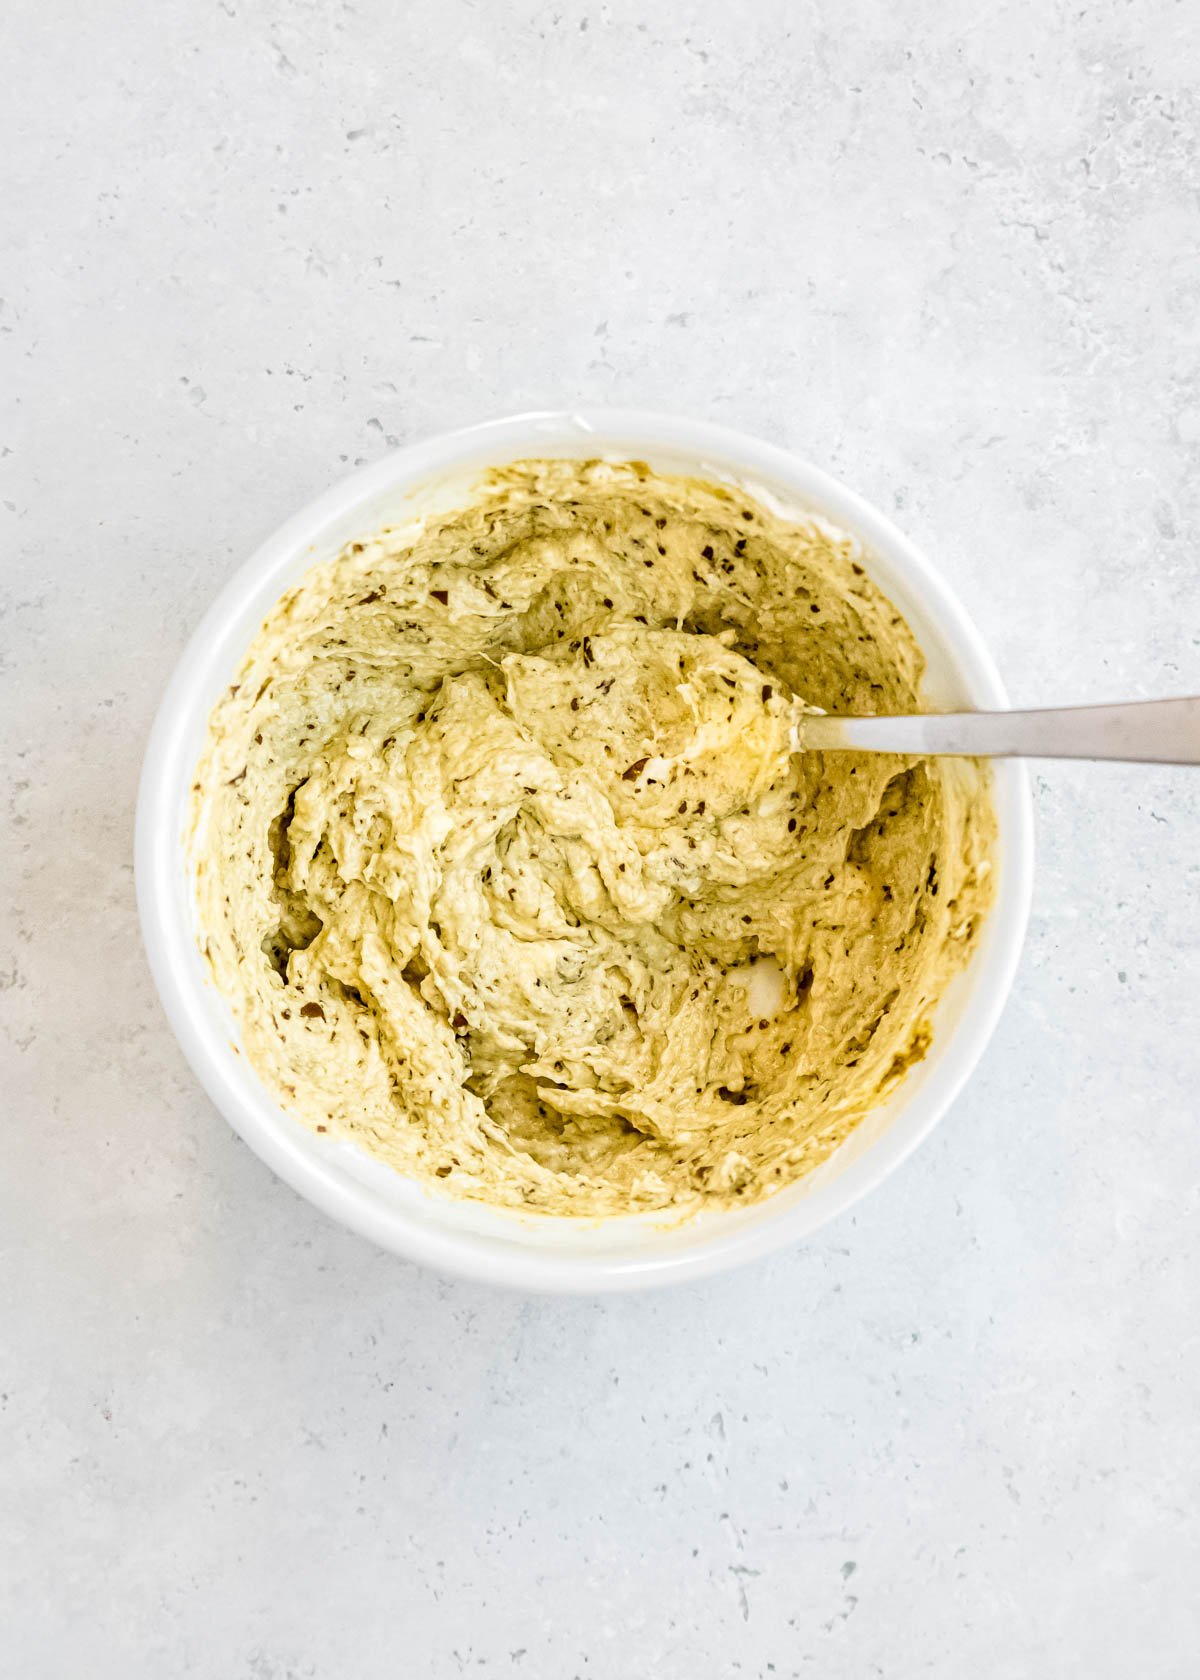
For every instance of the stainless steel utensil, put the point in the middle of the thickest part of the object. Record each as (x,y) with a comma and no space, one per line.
(1144,731)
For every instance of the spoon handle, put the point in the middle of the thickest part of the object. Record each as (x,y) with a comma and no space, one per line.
(1144,731)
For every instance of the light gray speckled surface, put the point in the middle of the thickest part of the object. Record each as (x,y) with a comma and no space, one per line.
(251,244)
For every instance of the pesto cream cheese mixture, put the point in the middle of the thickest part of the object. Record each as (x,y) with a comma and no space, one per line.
(509,871)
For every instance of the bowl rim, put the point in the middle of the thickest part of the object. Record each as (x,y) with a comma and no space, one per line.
(158,856)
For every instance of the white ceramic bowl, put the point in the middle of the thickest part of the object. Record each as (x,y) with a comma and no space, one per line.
(529,1252)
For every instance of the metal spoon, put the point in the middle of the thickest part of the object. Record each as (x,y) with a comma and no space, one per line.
(1144,731)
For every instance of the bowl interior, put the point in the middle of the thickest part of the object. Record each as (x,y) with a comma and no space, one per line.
(536,1251)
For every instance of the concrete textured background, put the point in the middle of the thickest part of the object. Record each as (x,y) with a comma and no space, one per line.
(249,244)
